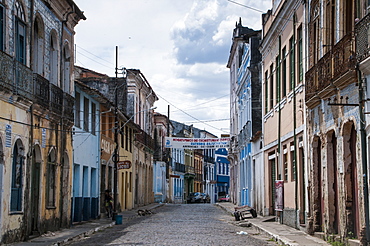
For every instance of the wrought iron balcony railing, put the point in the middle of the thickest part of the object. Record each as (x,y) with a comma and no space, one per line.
(362,38)
(189,169)
(335,63)
(15,77)
(145,139)
(41,90)
(179,167)
(18,79)
(68,107)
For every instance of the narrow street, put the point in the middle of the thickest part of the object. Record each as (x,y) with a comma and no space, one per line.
(183,224)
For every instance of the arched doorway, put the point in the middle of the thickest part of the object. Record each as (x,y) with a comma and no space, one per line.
(35,188)
(317,184)
(332,179)
(350,179)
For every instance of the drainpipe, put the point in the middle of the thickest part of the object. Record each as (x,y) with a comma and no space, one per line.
(363,153)
(280,168)
(294,132)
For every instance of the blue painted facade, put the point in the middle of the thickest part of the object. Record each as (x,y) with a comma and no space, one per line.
(177,176)
(86,147)
(159,181)
(222,174)
(246,112)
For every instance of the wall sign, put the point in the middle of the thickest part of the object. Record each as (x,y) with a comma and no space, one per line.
(123,165)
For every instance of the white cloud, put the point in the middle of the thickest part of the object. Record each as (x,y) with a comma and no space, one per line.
(181,47)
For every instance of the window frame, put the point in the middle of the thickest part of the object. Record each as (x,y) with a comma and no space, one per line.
(50,180)
(16,201)
(300,53)
(283,74)
(86,114)
(292,64)
(78,109)
(266,92)
(20,35)
(271,86)
(93,118)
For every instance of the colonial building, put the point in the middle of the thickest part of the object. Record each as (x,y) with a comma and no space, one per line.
(162,172)
(115,174)
(245,114)
(177,169)
(209,169)
(36,117)
(185,131)
(335,119)
(222,173)
(86,153)
(283,66)
(140,101)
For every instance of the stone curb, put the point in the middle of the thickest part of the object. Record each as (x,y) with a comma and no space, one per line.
(277,238)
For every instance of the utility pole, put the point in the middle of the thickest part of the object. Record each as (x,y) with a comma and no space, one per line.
(116,154)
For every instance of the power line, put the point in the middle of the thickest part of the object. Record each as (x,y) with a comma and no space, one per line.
(94,60)
(109,62)
(191,115)
(248,7)
(190,122)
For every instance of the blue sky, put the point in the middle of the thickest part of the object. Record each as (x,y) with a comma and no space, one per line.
(181,47)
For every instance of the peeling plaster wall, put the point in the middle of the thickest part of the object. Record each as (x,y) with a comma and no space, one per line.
(331,184)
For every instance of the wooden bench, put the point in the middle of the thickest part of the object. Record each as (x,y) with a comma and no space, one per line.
(241,212)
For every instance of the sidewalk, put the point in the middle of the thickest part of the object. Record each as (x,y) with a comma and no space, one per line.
(283,234)
(75,232)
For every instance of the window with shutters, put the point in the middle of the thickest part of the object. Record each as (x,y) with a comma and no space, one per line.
(17,178)
(20,33)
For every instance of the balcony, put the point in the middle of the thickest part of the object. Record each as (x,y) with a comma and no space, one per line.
(209,159)
(69,102)
(363,40)
(41,90)
(179,167)
(51,97)
(145,139)
(15,77)
(336,66)
(189,170)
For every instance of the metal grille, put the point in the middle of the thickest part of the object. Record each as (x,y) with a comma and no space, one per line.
(362,38)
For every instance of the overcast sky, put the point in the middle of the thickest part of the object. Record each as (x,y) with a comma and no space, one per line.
(181,47)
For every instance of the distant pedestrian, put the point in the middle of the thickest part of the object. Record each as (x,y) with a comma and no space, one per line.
(108,200)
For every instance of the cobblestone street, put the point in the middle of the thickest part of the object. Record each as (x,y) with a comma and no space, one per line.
(185,224)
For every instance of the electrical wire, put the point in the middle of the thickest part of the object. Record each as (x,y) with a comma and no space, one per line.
(109,62)
(190,115)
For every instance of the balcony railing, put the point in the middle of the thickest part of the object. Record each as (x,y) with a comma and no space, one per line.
(69,103)
(179,167)
(189,169)
(56,99)
(337,62)
(145,139)
(362,38)
(41,90)
(15,77)
(209,159)
(18,79)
